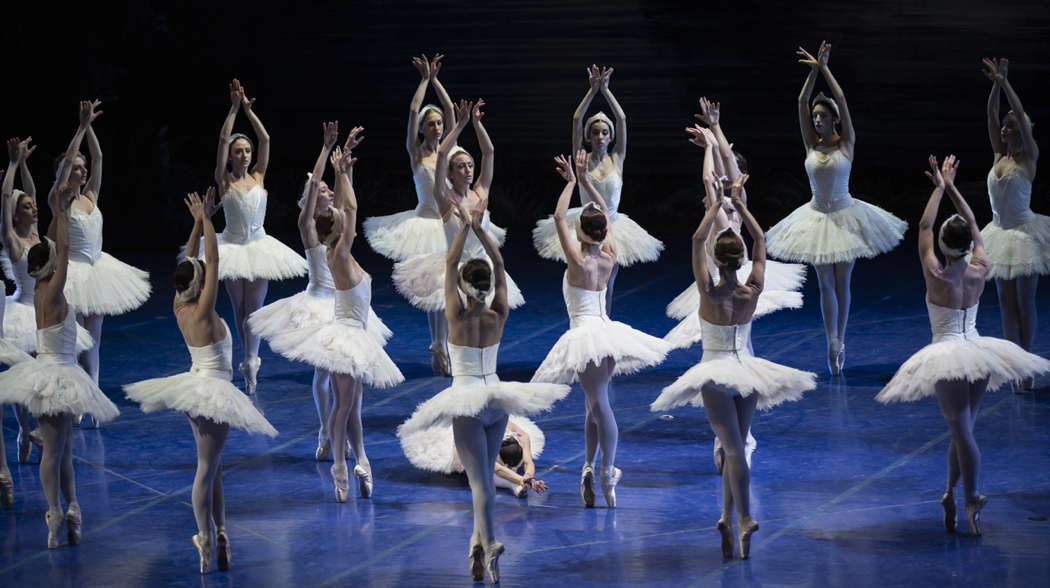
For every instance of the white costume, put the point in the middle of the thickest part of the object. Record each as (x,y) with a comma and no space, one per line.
(1017,241)
(98,283)
(20,316)
(434,449)
(245,250)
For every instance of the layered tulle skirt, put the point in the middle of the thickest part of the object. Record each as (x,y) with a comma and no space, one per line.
(262,258)
(633,243)
(468,400)
(20,327)
(434,449)
(46,387)
(341,347)
(201,395)
(594,339)
(1021,251)
(421,280)
(406,235)
(107,287)
(808,235)
(304,310)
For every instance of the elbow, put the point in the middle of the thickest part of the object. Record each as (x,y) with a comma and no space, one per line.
(925,225)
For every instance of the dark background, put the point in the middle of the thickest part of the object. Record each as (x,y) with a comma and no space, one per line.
(911,76)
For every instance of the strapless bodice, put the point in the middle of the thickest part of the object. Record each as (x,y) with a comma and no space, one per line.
(726,338)
(952,323)
(609,187)
(473,364)
(829,180)
(215,360)
(1011,198)
(245,214)
(58,342)
(426,205)
(85,235)
(583,304)
(25,285)
(320,280)
(351,306)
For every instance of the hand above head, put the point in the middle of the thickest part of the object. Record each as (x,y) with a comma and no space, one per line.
(331,134)
(195,205)
(211,204)
(581,166)
(995,69)
(25,150)
(935,173)
(435,65)
(246,103)
(336,159)
(949,167)
(594,77)
(478,213)
(606,75)
(807,58)
(709,112)
(353,139)
(88,113)
(700,136)
(463,111)
(422,65)
(236,93)
(13,149)
(476,111)
(564,167)
(737,190)
(824,53)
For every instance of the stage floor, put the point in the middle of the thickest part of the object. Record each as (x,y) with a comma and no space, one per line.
(846,489)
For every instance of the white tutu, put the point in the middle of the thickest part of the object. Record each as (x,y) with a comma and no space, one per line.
(406,235)
(860,229)
(688,331)
(780,279)
(1023,250)
(633,243)
(340,348)
(264,258)
(10,354)
(200,395)
(49,388)
(421,280)
(472,399)
(107,287)
(305,310)
(595,339)
(20,327)
(434,449)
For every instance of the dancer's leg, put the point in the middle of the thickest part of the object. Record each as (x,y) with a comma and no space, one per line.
(322,388)
(1009,310)
(342,388)
(594,380)
(610,287)
(89,359)
(1026,290)
(254,298)
(843,280)
(52,434)
(67,474)
(438,341)
(829,308)
(472,446)
(355,430)
(723,412)
(7,489)
(210,437)
(958,401)
(25,429)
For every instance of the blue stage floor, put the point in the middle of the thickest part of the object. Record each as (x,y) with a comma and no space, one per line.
(846,489)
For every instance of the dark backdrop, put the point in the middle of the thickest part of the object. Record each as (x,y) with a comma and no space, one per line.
(911,75)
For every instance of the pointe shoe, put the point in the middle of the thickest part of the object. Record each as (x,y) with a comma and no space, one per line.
(948,504)
(7,491)
(223,550)
(364,480)
(745,538)
(477,562)
(323,449)
(73,522)
(725,529)
(54,520)
(25,447)
(203,546)
(609,481)
(249,369)
(439,362)
(750,444)
(834,363)
(973,513)
(587,486)
(720,456)
(842,358)
(492,554)
(342,483)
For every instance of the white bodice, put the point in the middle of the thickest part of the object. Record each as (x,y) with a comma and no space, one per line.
(85,235)
(426,205)
(725,339)
(320,282)
(473,365)
(25,285)
(58,342)
(609,187)
(472,248)
(1011,197)
(829,180)
(949,324)
(245,214)
(352,306)
(583,305)
(215,360)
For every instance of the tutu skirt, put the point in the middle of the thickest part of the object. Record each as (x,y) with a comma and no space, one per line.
(808,235)
(472,399)
(200,395)
(305,310)
(633,243)
(592,340)
(421,280)
(263,258)
(1021,251)
(20,327)
(406,235)
(340,347)
(107,287)
(970,359)
(434,449)
(49,388)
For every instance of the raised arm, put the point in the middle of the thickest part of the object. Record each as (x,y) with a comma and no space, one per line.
(59,233)
(758,239)
(87,116)
(201,210)
(345,195)
(411,142)
(929,217)
(499,273)
(448,110)
(991,70)
(594,77)
(700,272)
(620,148)
(441,167)
(262,159)
(453,305)
(94,183)
(307,227)
(948,170)
(14,249)
(805,114)
(484,181)
(565,235)
(1031,149)
(588,185)
(223,154)
(710,114)
(846,133)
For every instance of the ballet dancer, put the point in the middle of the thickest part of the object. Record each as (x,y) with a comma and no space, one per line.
(833,229)
(419,231)
(605,170)
(477,403)
(730,382)
(420,279)
(1017,241)
(595,348)
(348,346)
(249,258)
(959,365)
(314,306)
(434,450)
(53,386)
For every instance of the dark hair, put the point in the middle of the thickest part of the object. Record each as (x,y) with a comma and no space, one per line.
(477,273)
(741,161)
(510,452)
(184,274)
(828,103)
(955,232)
(594,224)
(62,156)
(729,250)
(37,256)
(325,224)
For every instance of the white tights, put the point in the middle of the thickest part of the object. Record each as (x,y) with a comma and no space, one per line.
(599,425)
(56,460)
(345,419)
(1018,309)
(89,358)
(246,296)
(959,401)
(208,503)
(730,417)
(438,331)
(834,280)
(477,443)
(609,288)
(322,388)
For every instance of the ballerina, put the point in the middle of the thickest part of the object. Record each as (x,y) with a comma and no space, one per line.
(605,170)
(959,365)
(594,349)
(730,382)
(249,258)
(419,231)
(53,386)
(833,229)
(314,306)
(420,278)
(348,346)
(1017,240)
(434,450)
(477,403)
(211,402)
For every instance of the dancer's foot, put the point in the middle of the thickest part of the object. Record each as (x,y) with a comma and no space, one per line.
(492,554)
(719,455)
(477,562)
(223,549)
(973,513)
(587,486)
(842,358)
(948,504)
(54,520)
(610,479)
(746,529)
(203,545)
(249,369)
(439,362)
(725,529)
(342,482)
(750,444)
(835,359)
(7,491)
(364,479)
(323,449)
(73,521)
